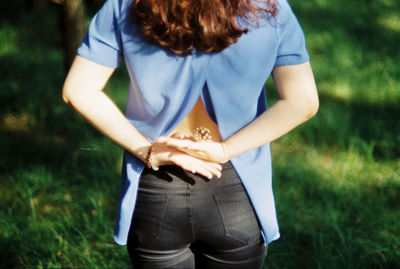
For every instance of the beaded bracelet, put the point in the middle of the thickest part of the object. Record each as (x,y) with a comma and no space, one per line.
(148,158)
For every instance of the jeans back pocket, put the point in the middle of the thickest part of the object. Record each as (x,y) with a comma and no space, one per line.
(237,215)
(148,217)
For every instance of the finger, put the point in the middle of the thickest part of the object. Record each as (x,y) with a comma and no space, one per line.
(190,145)
(215,166)
(197,168)
(180,135)
(198,150)
(195,165)
(197,154)
(204,172)
(197,146)
(213,169)
(209,167)
(161,139)
(175,143)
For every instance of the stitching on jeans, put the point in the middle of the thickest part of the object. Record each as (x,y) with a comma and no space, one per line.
(224,221)
(189,207)
(227,234)
(220,213)
(162,215)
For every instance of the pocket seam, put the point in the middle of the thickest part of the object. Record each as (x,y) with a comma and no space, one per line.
(164,209)
(227,233)
(162,198)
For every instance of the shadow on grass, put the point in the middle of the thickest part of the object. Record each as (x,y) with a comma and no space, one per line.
(366,117)
(326,225)
(363,22)
(10,253)
(36,127)
(369,129)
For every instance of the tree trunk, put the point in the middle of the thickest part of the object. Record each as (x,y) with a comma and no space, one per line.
(73,24)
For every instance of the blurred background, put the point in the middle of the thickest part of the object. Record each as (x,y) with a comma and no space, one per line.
(336,178)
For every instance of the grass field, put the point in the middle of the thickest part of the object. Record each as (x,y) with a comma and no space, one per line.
(336,178)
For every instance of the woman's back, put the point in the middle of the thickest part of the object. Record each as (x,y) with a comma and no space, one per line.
(198,124)
(212,89)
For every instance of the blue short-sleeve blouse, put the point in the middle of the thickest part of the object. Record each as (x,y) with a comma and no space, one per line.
(164,88)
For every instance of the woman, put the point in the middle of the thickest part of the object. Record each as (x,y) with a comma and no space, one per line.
(196,110)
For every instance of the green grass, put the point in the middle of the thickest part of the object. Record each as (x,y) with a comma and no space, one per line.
(336,178)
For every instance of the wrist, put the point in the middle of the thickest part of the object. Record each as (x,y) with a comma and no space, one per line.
(150,163)
(140,152)
(226,151)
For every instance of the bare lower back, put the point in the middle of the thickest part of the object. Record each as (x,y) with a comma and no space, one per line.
(198,118)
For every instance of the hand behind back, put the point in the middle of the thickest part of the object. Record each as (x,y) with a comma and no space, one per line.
(205,152)
(165,154)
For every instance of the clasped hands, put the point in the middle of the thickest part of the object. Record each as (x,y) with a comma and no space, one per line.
(202,157)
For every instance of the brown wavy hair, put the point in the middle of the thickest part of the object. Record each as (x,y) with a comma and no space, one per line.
(206,25)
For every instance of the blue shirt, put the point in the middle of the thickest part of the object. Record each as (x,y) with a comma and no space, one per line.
(164,88)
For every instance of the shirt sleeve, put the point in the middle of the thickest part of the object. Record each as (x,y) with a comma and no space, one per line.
(102,42)
(291,42)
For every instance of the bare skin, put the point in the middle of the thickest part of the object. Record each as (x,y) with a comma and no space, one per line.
(83,91)
(198,117)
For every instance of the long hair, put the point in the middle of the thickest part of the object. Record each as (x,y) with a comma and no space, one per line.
(206,25)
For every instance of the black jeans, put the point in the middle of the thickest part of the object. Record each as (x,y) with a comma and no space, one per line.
(183,220)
